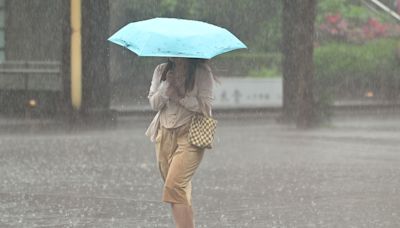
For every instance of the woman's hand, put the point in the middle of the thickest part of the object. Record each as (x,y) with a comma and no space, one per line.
(175,90)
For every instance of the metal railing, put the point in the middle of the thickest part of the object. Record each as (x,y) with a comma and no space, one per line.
(30,75)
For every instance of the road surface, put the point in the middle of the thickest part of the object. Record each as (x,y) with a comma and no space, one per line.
(259,174)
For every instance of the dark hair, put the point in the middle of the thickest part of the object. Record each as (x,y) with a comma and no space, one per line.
(170,66)
(190,77)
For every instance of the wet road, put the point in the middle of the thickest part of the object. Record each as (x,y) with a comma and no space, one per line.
(260,174)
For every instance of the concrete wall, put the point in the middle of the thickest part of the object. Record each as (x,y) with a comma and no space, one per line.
(33,30)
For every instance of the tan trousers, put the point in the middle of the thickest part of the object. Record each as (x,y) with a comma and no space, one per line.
(178,161)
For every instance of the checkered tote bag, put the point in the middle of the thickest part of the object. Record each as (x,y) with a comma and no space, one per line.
(201,132)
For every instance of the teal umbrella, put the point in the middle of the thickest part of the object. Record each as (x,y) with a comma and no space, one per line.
(171,37)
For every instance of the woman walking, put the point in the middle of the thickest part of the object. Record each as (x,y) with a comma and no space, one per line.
(180,88)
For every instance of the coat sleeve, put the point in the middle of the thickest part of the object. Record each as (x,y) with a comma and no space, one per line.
(201,103)
(157,97)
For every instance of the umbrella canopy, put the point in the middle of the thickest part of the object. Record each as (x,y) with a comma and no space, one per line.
(171,37)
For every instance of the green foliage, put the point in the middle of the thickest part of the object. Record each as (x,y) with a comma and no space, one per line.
(245,63)
(325,6)
(133,10)
(264,72)
(348,9)
(348,69)
(352,10)
(269,37)
(359,14)
(169,5)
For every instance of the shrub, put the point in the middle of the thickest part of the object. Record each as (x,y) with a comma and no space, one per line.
(245,63)
(351,21)
(271,72)
(349,70)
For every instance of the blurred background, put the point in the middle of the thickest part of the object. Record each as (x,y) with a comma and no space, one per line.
(356,53)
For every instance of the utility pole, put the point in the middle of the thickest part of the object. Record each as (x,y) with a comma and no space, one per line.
(76,54)
(86,61)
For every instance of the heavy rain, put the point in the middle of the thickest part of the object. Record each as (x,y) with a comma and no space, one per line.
(308,131)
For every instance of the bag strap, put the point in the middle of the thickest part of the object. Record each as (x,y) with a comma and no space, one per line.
(202,108)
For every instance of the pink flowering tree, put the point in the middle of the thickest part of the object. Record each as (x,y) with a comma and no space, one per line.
(352,23)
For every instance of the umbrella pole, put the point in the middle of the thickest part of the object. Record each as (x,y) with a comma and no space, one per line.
(76,54)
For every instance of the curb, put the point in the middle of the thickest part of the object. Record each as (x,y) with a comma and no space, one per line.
(12,123)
